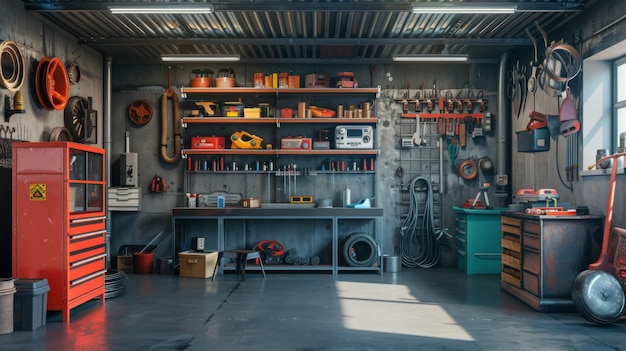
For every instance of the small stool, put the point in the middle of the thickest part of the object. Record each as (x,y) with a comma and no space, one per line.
(241,257)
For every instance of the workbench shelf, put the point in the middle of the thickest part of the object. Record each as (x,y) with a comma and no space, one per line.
(281,173)
(234,227)
(185,91)
(186,121)
(275,152)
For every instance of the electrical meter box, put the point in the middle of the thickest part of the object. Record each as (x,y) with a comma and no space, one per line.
(129,169)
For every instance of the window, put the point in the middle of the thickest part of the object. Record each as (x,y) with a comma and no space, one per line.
(619,103)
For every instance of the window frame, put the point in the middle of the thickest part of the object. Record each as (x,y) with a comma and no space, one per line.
(617,105)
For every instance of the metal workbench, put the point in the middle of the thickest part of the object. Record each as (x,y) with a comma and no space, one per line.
(336,223)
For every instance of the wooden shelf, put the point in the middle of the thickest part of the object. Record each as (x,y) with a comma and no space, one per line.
(262,120)
(278,91)
(278,152)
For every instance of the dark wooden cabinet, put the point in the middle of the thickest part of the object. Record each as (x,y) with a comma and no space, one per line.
(542,255)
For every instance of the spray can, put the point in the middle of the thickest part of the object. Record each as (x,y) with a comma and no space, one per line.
(347,194)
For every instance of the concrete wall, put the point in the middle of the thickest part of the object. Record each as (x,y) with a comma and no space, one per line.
(38,39)
(389,190)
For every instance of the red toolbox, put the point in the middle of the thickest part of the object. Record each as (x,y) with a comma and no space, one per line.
(211,142)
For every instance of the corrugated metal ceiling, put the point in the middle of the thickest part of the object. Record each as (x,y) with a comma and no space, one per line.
(301,31)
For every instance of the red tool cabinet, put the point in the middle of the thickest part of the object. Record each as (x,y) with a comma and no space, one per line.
(59,220)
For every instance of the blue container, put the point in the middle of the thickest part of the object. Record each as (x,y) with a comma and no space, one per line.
(30,302)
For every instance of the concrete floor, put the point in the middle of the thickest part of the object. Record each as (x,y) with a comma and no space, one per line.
(435,309)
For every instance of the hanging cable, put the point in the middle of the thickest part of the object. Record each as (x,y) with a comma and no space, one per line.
(418,245)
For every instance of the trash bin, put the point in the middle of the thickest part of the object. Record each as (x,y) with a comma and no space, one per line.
(7,290)
(31,299)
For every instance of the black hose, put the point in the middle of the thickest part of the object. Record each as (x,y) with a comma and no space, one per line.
(419,245)
(359,250)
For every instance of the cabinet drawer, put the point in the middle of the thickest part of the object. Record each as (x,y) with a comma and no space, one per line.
(83,268)
(532,227)
(80,242)
(532,261)
(516,222)
(80,255)
(512,245)
(511,225)
(508,278)
(530,283)
(85,225)
(91,284)
(511,259)
(461,223)
(461,243)
(532,241)
(124,199)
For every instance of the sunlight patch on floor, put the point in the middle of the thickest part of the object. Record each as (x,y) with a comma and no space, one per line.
(387,308)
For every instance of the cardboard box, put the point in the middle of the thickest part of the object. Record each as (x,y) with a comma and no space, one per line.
(252,112)
(126,264)
(197,264)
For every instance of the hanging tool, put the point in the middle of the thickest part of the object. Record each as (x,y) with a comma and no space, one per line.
(167,95)
(158,184)
(417,137)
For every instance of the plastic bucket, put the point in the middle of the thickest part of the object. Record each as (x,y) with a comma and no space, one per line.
(143,262)
(7,290)
(392,264)
(164,265)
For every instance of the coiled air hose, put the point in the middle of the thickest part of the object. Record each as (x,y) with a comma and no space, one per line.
(418,245)
(360,250)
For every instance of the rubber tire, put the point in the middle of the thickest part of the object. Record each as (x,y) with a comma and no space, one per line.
(361,242)
(596,308)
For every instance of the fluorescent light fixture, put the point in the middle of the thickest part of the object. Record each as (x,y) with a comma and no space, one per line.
(162,9)
(199,58)
(430,58)
(462,7)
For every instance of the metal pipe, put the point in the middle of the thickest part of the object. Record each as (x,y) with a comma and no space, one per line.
(106,122)
(441,182)
(502,127)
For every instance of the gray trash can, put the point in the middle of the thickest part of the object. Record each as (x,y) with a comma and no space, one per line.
(7,290)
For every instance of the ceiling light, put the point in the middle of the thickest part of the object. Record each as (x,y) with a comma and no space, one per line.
(171,9)
(477,8)
(199,58)
(430,58)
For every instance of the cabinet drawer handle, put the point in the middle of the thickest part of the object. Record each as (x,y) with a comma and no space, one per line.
(460,239)
(461,252)
(87,260)
(461,231)
(90,219)
(489,254)
(192,260)
(87,277)
(86,235)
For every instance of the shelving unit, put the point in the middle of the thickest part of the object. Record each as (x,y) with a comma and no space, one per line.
(317,173)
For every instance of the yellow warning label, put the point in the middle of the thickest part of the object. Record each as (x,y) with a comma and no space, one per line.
(38,192)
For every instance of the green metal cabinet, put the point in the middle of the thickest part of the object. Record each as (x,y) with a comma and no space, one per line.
(478,249)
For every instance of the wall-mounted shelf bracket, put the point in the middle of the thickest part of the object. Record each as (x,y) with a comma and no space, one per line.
(8,112)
